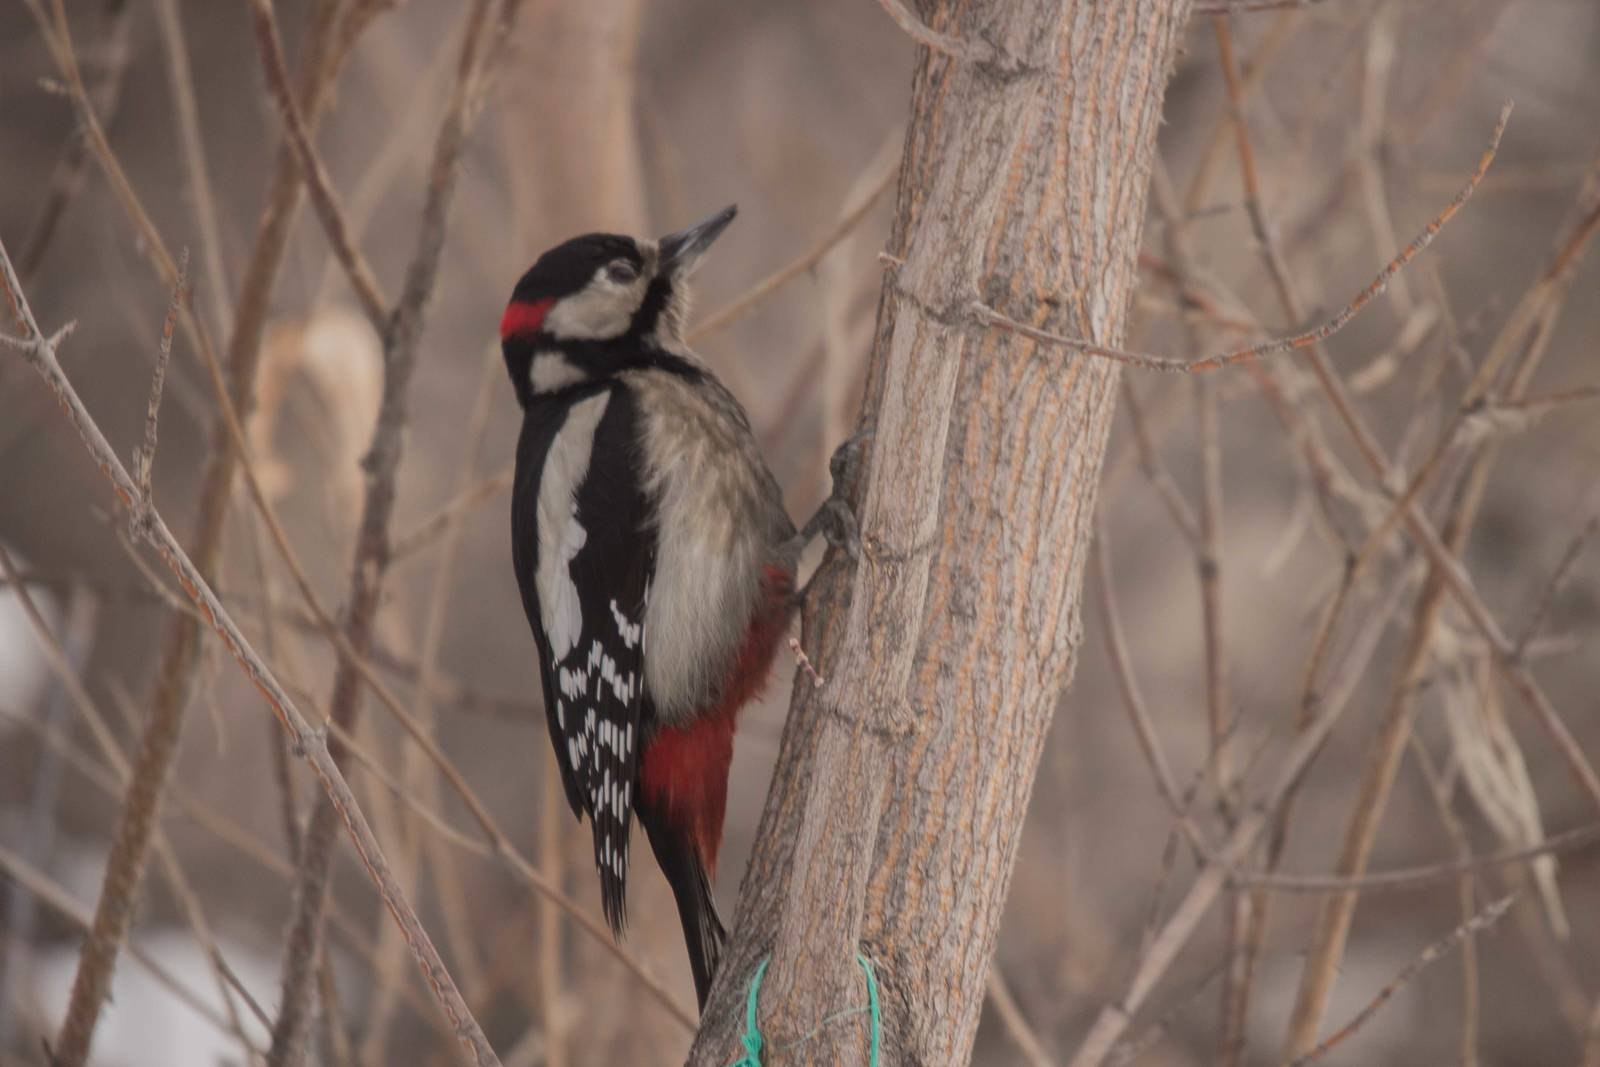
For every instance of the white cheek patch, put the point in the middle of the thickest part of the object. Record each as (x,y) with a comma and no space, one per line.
(599,311)
(551,371)
(561,535)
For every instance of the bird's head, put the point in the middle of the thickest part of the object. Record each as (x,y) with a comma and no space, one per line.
(600,303)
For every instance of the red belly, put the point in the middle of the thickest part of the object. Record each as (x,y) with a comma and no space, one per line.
(685,771)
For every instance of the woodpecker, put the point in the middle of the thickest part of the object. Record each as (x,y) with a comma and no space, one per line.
(654,555)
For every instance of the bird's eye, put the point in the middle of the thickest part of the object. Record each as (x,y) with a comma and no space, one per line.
(622,272)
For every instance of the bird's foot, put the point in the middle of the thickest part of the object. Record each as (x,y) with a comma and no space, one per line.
(835,519)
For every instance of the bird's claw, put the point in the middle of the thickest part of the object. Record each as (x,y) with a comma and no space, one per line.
(835,519)
(837,522)
(842,464)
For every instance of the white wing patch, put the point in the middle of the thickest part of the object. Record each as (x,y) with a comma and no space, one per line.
(560,533)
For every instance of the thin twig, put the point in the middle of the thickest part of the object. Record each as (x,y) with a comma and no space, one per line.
(1150,464)
(1445,576)
(1426,876)
(42,356)
(31,880)
(180,78)
(480,47)
(1238,920)
(978,51)
(1466,892)
(445,874)
(144,457)
(1113,1019)
(61,665)
(435,526)
(552,860)
(323,198)
(1117,650)
(1481,921)
(170,693)
(39,825)
(1027,1040)
(805,664)
(989,317)
(1558,578)
(741,304)
(1132,1049)
(67,180)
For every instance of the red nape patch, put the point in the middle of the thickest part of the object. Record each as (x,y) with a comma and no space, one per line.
(685,771)
(523,319)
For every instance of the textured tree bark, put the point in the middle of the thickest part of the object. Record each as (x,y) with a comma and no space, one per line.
(897,804)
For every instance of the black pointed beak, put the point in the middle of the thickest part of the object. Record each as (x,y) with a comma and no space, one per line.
(681,251)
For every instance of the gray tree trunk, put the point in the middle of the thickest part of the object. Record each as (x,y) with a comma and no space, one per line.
(897,804)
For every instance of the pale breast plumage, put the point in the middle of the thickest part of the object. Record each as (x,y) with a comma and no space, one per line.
(725,516)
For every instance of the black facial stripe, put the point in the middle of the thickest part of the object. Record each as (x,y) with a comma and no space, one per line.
(651,307)
(603,359)
(599,359)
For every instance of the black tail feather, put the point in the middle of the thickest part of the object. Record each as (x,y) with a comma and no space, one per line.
(703,932)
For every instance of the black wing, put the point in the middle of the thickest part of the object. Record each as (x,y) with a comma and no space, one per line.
(587,606)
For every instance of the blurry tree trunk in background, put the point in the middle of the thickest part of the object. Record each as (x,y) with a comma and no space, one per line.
(897,805)
(573,135)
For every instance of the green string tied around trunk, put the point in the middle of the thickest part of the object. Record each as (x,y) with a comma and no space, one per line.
(751,1039)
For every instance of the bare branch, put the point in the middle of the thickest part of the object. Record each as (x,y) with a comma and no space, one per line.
(67,181)
(170,693)
(1150,464)
(1113,1019)
(1422,877)
(61,665)
(740,305)
(31,880)
(419,784)
(978,52)
(1484,919)
(1488,418)
(435,526)
(481,45)
(180,77)
(1558,577)
(323,198)
(1446,575)
(1143,727)
(1133,1048)
(144,456)
(1027,1040)
(989,317)
(41,355)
